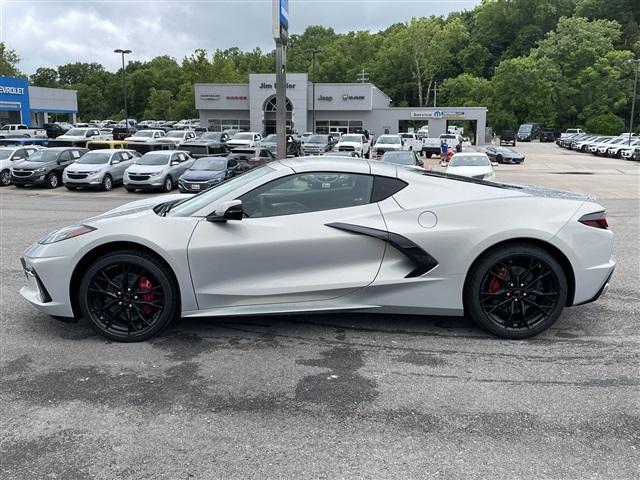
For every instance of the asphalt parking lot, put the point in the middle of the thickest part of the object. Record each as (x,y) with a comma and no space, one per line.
(326,396)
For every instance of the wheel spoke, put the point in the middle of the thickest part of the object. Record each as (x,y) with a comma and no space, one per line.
(105,306)
(109,281)
(539,307)
(498,305)
(102,291)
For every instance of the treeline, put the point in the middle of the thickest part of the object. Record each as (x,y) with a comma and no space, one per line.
(560,63)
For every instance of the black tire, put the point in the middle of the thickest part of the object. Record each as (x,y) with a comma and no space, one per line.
(168,184)
(520,281)
(17,185)
(52,180)
(70,187)
(107,183)
(128,296)
(5,177)
(499,159)
(130,189)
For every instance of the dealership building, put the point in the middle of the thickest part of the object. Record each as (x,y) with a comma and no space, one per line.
(339,108)
(22,103)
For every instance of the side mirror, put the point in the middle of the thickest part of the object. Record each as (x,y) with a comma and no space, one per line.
(231,210)
(115,162)
(174,163)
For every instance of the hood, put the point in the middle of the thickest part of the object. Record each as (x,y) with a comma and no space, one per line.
(349,144)
(239,142)
(199,175)
(86,167)
(146,169)
(27,165)
(139,206)
(73,138)
(168,140)
(138,139)
(388,145)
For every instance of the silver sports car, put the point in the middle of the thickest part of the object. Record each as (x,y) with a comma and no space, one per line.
(322,234)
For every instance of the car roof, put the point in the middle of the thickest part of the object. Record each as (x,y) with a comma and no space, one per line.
(469,154)
(339,164)
(60,149)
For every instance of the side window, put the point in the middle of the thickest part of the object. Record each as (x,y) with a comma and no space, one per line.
(232,163)
(308,192)
(19,154)
(75,154)
(182,157)
(65,156)
(265,153)
(117,157)
(22,127)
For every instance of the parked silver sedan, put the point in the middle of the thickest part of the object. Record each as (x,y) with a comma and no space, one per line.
(157,170)
(99,169)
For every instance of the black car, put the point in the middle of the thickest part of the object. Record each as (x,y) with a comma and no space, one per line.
(144,147)
(528,132)
(508,136)
(318,144)
(294,146)
(209,143)
(206,172)
(54,130)
(122,131)
(548,136)
(503,154)
(249,158)
(45,166)
(407,158)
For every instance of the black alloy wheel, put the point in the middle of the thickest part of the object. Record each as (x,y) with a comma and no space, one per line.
(52,180)
(128,296)
(107,183)
(5,178)
(516,291)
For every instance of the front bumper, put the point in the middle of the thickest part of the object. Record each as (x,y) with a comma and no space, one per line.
(37,179)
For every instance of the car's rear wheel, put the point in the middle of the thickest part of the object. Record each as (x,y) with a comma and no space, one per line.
(5,178)
(107,183)
(52,180)
(516,291)
(128,296)
(499,159)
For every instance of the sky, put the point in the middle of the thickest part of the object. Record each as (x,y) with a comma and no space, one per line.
(54,32)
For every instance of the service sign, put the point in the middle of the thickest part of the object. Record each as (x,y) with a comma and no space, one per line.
(281,20)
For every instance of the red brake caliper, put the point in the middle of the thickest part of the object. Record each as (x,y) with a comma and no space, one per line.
(494,284)
(145,284)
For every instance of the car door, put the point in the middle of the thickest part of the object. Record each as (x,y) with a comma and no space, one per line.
(65,159)
(286,250)
(119,164)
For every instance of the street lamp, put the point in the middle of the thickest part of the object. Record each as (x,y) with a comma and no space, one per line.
(124,84)
(633,100)
(313,52)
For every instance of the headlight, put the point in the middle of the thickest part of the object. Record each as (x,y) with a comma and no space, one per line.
(65,233)
(39,170)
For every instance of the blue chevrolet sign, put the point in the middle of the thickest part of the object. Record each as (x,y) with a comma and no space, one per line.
(284,14)
(14,96)
(281,20)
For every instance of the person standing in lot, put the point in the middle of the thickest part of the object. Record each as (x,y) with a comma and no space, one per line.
(444,148)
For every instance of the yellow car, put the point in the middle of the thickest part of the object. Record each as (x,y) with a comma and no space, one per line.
(102,144)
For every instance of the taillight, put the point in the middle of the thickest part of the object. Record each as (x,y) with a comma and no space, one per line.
(597,220)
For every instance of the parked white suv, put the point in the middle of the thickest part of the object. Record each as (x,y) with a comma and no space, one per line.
(386,143)
(244,140)
(177,137)
(354,142)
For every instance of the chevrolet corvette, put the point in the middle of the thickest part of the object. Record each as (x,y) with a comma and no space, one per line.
(328,234)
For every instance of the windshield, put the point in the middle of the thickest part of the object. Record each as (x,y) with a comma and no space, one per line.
(273,138)
(525,128)
(399,158)
(145,134)
(95,158)
(44,156)
(243,136)
(351,138)
(504,150)
(210,196)
(211,136)
(469,161)
(76,132)
(317,139)
(154,159)
(5,154)
(175,134)
(209,164)
(393,139)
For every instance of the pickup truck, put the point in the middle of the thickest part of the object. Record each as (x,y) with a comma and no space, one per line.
(78,137)
(508,136)
(431,146)
(412,142)
(21,130)
(388,142)
(354,142)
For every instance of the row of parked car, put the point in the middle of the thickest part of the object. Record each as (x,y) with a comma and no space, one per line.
(625,146)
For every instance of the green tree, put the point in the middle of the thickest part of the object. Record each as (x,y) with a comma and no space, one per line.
(9,60)
(44,77)
(159,104)
(465,90)
(605,124)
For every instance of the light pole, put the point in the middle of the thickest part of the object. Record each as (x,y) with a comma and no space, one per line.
(124,84)
(313,52)
(633,99)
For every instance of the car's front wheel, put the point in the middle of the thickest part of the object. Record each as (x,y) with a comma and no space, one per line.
(107,183)
(52,180)
(168,184)
(128,296)
(516,291)
(5,178)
